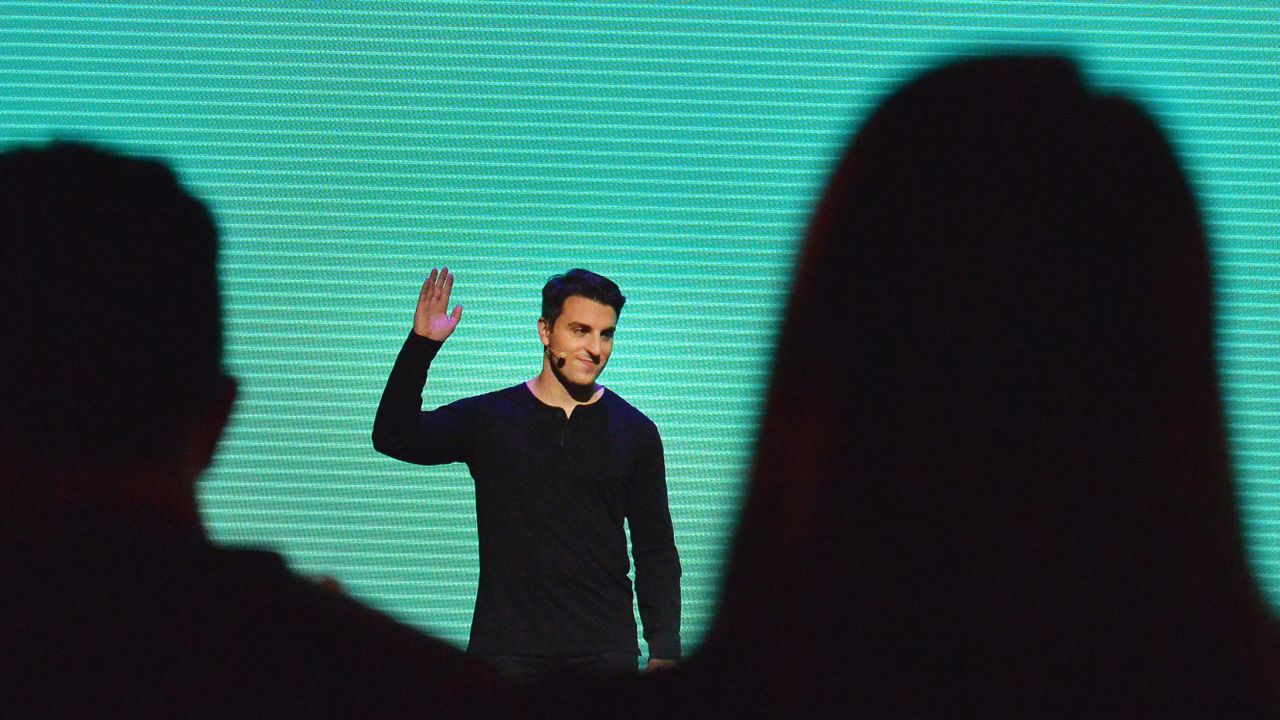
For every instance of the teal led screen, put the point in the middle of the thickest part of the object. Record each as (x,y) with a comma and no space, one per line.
(347,148)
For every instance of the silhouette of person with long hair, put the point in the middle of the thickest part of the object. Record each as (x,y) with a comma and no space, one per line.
(113,602)
(992,477)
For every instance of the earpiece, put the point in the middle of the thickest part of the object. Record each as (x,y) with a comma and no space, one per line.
(560,357)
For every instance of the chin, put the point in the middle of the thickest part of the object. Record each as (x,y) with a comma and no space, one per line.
(575,379)
(578,381)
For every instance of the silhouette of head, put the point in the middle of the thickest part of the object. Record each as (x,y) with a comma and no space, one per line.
(993,453)
(109,308)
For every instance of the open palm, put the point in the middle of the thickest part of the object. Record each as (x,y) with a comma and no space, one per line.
(432,319)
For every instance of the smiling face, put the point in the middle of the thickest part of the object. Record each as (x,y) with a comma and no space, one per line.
(583,337)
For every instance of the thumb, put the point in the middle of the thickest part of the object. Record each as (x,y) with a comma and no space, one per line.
(457,313)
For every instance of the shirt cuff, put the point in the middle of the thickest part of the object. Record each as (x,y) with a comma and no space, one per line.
(422,349)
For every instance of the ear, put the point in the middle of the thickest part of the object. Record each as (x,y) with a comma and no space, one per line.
(544,332)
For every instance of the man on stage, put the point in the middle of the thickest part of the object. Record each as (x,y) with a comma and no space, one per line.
(559,462)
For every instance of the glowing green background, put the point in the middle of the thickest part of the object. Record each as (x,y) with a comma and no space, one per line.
(676,147)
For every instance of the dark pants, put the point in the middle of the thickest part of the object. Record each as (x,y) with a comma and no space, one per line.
(526,670)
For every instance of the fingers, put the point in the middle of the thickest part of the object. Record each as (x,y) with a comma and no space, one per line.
(446,287)
(436,289)
(427,285)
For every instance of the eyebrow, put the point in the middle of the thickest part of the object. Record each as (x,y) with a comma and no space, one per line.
(607,331)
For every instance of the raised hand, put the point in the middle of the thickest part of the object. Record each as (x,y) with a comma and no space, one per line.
(432,318)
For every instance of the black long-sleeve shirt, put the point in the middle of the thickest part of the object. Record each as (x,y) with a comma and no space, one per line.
(552,492)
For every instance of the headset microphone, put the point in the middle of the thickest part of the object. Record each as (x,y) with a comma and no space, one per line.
(560,357)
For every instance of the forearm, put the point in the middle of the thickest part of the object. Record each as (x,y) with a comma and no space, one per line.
(658,599)
(653,548)
(398,427)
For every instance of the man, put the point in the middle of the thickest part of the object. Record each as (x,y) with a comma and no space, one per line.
(113,602)
(558,462)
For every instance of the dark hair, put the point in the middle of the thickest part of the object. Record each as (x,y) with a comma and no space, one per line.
(583,283)
(109,305)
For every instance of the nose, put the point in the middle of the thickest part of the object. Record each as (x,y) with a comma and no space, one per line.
(593,347)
